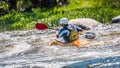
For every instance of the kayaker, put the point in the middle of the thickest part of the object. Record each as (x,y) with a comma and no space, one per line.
(64,33)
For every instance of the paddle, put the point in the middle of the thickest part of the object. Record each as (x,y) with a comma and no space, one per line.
(41,26)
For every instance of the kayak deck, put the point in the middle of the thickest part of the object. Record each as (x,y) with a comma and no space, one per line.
(78,43)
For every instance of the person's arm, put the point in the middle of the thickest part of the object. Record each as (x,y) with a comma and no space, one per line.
(79,30)
(58,33)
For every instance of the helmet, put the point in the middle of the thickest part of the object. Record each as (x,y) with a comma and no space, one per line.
(64,21)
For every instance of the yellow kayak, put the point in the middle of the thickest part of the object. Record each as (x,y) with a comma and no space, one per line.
(78,43)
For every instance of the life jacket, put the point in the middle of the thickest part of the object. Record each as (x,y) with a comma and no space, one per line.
(74,35)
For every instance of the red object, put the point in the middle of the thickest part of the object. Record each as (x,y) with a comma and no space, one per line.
(41,26)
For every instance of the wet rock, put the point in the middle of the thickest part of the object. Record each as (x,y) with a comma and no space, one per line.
(116,19)
(85,23)
(90,35)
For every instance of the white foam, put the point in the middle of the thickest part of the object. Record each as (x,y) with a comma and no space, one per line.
(15,49)
(20,47)
(4,36)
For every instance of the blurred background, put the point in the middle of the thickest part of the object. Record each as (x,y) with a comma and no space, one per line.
(23,14)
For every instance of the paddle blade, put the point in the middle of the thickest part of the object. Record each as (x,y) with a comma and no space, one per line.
(41,26)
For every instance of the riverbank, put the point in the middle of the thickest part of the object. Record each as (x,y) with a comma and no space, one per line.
(17,20)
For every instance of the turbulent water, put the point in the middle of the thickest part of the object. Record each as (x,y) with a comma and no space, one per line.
(29,49)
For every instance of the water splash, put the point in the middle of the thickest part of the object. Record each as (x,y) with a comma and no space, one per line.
(21,49)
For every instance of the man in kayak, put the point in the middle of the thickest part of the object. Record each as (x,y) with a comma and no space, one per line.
(65,35)
(64,32)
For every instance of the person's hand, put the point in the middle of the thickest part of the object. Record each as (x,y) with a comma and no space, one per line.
(80,32)
(57,34)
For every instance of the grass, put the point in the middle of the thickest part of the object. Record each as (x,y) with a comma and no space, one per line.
(16,20)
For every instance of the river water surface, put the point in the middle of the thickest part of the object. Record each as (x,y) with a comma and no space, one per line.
(29,49)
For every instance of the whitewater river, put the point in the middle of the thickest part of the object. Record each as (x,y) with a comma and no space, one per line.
(29,49)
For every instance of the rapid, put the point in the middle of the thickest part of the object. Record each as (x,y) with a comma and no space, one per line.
(29,49)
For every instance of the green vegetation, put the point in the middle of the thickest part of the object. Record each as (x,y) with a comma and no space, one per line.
(97,10)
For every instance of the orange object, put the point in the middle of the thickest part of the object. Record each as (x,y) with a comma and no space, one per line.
(77,43)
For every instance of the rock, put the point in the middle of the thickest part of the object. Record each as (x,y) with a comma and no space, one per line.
(90,35)
(116,19)
(85,23)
